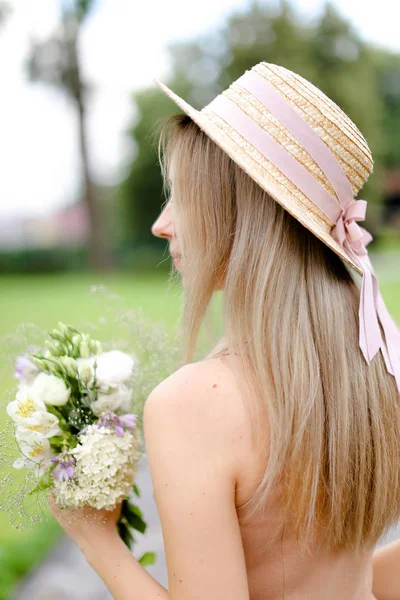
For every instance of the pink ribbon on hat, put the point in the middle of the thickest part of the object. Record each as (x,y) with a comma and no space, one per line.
(346,227)
(344,212)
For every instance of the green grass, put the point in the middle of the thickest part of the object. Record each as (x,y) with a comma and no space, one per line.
(391,295)
(45,300)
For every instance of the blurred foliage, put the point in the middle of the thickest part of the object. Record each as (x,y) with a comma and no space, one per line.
(361,79)
(388,83)
(144,181)
(83,7)
(42,260)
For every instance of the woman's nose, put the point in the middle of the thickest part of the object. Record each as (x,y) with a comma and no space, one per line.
(162,227)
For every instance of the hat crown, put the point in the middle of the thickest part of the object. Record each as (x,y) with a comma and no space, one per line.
(326,118)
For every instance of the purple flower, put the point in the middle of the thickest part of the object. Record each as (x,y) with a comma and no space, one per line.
(25,369)
(129,420)
(118,424)
(64,469)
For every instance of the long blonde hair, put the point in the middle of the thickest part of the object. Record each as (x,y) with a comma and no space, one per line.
(290,306)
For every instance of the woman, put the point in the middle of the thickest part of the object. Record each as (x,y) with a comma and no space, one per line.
(275,460)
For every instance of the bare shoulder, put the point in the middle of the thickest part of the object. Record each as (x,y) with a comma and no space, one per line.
(202,398)
(192,428)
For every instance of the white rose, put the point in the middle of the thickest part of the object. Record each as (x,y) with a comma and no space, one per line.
(113,368)
(126,400)
(116,399)
(51,389)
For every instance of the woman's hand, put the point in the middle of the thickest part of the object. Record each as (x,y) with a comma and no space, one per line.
(86,526)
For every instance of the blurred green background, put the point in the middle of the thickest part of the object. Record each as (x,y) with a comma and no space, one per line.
(99,233)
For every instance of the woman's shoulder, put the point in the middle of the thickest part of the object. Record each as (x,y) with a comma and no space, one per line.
(203,396)
(206,383)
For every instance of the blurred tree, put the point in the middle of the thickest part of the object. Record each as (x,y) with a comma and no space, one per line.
(388,70)
(55,61)
(327,51)
(142,190)
(346,72)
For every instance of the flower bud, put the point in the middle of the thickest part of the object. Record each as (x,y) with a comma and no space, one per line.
(64,329)
(84,349)
(85,373)
(54,347)
(69,365)
(37,361)
(53,366)
(96,347)
(75,341)
(57,335)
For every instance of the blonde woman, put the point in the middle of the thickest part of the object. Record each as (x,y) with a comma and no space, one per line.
(275,459)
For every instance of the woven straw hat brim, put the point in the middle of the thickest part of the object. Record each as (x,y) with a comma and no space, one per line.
(320,227)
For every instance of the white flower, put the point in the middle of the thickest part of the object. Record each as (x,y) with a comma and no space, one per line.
(51,389)
(118,398)
(43,423)
(26,406)
(112,369)
(105,469)
(126,400)
(36,453)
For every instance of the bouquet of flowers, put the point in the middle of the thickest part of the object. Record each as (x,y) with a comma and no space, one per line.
(74,428)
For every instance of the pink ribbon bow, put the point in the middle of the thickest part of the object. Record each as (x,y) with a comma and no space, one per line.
(346,227)
(372,312)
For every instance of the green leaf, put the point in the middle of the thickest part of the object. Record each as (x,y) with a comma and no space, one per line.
(135,509)
(125,534)
(57,442)
(148,558)
(136,489)
(44,483)
(135,521)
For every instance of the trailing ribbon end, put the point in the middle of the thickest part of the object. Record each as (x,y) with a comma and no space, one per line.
(370,336)
(372,313)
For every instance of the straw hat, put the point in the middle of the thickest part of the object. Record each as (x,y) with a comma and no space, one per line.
(328,120)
